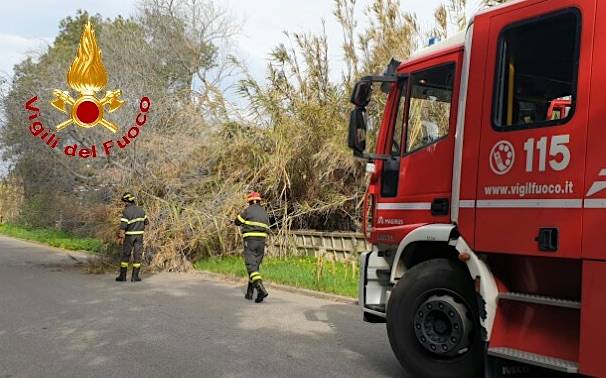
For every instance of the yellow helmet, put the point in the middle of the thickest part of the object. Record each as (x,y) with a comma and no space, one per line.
(128,197)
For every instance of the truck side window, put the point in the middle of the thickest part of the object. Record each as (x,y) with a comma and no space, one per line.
(430,103)
(537,71)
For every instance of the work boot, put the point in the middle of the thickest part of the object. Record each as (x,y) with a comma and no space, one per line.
(135,277)
(250,290)
(122,276)
(261,292)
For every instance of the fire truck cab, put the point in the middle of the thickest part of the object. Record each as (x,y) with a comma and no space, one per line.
(487,196)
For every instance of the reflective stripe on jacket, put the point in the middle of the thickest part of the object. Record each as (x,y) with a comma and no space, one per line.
(133,220)
(253,221)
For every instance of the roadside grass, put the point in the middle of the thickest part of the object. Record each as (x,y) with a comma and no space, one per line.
(52,237)
(304,272)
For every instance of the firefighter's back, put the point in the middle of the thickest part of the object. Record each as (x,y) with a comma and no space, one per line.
(257,213)
(136,219)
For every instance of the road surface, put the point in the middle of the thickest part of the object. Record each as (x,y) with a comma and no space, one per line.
(58,321)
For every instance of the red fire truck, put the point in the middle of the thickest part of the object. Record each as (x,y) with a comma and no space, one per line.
(487,197)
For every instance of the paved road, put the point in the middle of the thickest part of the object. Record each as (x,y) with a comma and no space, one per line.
(58,321)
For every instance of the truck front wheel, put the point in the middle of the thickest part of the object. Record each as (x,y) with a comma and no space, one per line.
(433,322)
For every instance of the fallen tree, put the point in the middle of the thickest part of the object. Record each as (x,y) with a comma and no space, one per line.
(200,153)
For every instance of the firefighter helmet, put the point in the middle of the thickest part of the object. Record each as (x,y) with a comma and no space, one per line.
(128,197)
(253,196)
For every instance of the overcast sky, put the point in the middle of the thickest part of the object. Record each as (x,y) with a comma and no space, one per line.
(28,26)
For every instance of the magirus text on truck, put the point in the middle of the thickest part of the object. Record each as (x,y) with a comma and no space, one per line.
(487,199)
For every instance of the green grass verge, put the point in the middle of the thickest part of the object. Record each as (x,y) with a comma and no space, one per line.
(52,237)
(336,278)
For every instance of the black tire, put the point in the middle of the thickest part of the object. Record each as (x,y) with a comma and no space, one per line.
(424,287)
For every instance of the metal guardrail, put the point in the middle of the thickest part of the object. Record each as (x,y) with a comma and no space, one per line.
(341,245)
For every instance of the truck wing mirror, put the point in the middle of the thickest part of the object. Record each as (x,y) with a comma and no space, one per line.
(358,119)
(360,96)
(357,131)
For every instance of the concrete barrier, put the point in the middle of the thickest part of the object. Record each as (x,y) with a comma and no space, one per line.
(342,246)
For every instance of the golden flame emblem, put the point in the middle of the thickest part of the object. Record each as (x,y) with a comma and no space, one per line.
(87,75)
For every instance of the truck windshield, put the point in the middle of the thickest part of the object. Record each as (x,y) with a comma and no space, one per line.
(398,127)
(375,112)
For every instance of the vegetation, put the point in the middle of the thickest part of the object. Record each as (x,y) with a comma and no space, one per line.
(304,272)
(199,153)
(53,237)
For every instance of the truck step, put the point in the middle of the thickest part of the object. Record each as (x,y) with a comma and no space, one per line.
(378,307)
(535,359)
(539,299)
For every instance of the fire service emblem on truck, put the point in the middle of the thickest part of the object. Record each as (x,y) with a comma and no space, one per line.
(87,76)
(502,157)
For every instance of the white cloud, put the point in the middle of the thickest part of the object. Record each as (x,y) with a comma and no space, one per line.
(15,48)
(28,27)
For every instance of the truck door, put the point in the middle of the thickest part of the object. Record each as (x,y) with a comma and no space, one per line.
(424,148)
(532,163)
(595,179)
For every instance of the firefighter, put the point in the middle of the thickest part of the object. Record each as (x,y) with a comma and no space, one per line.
(132,226)
(255,225)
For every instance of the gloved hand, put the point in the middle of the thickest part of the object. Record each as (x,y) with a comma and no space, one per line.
(120,237)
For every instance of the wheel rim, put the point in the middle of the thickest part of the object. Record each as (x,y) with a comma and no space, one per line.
(442,325)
